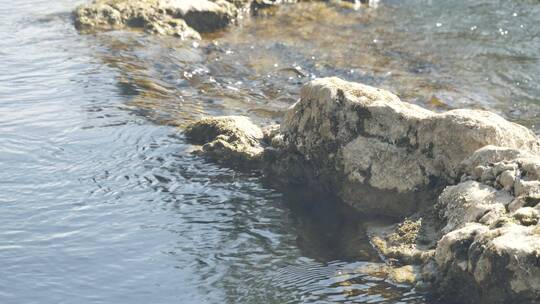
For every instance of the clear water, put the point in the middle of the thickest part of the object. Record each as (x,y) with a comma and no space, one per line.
(101,201)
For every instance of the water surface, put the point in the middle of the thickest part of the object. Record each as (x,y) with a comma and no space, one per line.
(101,201)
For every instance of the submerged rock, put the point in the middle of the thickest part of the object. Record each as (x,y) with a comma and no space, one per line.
(183,18)
(410,242)
(234,140)
(397,275)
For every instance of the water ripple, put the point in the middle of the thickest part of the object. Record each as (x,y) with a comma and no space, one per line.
(101,202)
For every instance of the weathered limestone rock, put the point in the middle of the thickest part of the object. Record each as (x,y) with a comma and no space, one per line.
(515,172)
(480,242)
(172,27)
(234,140)
(183,18)
(355,138)
(492,241)
(472,201)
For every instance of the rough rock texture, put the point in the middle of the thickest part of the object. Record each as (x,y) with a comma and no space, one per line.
(476,241)
(397,275)
(355,138)
(492,241)
(183,18)
(233,140)
(407,242)
(486,233)
(471,201)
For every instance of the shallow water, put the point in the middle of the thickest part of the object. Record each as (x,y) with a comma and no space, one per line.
(101,202)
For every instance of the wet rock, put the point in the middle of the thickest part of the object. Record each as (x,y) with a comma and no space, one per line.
(398,275)
(233,140)
(453,246)
(183,18)
(409,242)
(356,139)
(350,136)
(205,16)
(258,4)
(172,27)
(404,275)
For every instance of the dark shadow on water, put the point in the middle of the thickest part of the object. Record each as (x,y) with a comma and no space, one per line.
(328,229)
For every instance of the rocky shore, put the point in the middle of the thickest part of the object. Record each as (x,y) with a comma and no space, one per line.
(182,18)
(463,186)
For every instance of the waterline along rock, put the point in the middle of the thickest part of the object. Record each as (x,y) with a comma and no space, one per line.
(466,183)
(355,138)
(234,140)
(183,18)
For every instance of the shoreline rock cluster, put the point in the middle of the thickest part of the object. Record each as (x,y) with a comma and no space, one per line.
(186,19)
(465,183)
(182,18)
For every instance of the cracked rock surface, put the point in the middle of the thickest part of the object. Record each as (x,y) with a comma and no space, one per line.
(186,19)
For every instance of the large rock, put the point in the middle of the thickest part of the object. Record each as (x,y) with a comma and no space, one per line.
(476,241)
(355,139)
(184,18)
